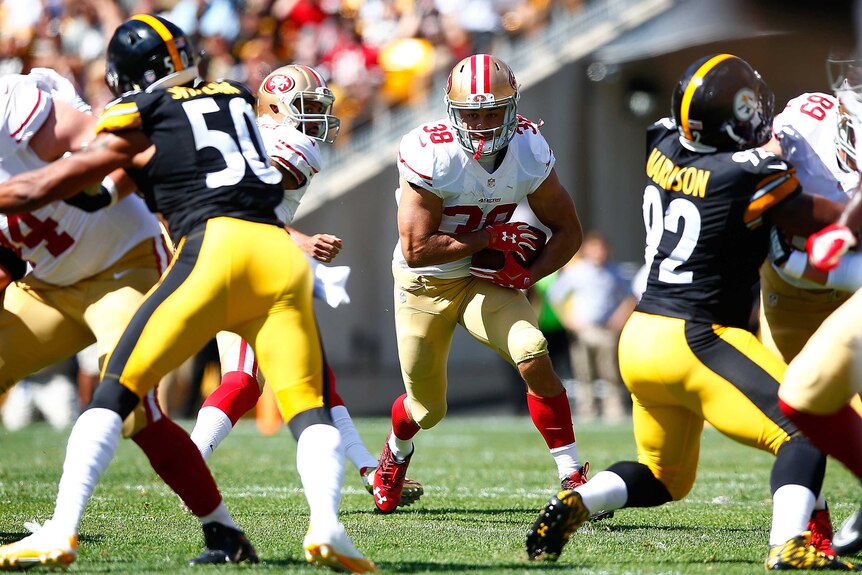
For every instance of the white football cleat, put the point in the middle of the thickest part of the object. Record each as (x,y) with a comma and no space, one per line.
(332,548)
(45,547)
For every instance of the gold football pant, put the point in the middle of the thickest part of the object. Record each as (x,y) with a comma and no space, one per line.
(245,277)
(41,323)
(427,311)
(826,373)
(682,373)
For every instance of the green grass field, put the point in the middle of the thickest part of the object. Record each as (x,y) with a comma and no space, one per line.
(485,480)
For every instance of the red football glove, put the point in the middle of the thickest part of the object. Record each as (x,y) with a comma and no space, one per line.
(512,237)
(511,275)
(826,247)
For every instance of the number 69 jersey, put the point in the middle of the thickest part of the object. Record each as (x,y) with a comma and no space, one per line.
(703,216)
(431,158)
(210,159)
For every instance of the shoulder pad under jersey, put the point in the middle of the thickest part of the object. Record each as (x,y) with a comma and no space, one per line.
(429,156)
(24,107)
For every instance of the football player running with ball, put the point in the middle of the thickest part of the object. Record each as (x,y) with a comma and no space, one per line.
(90,272)
(294,114)
(461,179)
(195,152)
(686,354)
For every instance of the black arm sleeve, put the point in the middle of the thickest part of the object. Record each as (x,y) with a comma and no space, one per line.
(14,266)
(91,202)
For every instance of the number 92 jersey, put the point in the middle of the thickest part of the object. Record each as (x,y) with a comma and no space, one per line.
(703,216)
(209,160)
(431,158)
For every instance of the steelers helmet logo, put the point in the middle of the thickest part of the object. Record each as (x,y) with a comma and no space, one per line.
(279,84)
(744,104)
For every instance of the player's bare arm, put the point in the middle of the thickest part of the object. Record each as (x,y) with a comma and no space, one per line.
(555,208)
(804,214)
(66,177)
(422,243)
(65,129)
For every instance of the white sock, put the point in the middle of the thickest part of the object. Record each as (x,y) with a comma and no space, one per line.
(219,515)
(90,449)
(401,448)
(604,492)
(320,463)
(791,509)
(211,427)
(354,449)
(566,458)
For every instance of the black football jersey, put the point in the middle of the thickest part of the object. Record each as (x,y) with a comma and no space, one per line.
(209,160)
(703,214)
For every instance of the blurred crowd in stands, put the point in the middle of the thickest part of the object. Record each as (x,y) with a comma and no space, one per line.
(374,53)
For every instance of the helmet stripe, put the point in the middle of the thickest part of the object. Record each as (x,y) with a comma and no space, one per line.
(473,65)
(165,35)
(314,73)
(693,84)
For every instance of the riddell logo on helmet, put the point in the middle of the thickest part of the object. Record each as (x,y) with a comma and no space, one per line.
(279,84)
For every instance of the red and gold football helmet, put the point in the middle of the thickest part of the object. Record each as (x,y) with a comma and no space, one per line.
(298,95)
(482,81)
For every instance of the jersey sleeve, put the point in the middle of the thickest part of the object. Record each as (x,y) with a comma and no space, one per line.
(807,114)
(27,108)
(775,181)
(539,159)
(416,160)
(292,150)
(124,113)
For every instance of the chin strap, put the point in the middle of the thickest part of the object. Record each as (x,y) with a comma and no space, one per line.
(479,149)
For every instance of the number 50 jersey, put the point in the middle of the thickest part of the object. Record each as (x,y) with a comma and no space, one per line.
(210,159)
(704,239)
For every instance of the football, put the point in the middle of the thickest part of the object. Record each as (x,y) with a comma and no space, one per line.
(490,259)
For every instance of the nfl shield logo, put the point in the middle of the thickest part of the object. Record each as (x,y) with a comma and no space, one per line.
(492,182)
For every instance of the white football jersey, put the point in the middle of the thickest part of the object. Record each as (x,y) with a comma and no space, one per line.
(809,126)
(431,158)
(294,151)
(62,243)
(813,117)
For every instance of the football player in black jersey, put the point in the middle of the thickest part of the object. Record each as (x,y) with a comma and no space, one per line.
(686,354)
(195,152)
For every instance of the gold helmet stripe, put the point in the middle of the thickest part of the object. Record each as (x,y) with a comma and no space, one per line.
(693,84)
(166,36)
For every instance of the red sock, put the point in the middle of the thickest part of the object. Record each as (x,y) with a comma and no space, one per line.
(179,463)
(552,416)
(334,398)
(403,427)
(236,395)
(837,434)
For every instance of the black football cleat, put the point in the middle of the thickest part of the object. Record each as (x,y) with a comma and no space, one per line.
(562,515)
(224,545)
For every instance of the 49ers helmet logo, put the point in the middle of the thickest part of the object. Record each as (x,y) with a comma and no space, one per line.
(279,83)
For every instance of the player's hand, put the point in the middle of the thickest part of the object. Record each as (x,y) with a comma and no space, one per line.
(322,247)
(826,247)
(511,275)
(512,237)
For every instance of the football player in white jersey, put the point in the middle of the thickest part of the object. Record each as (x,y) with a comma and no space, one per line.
(90,272)
(461,178)
(813,134)
(294,108)
(822,382)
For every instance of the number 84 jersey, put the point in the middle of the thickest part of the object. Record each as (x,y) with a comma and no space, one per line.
(703,214)
(431,158)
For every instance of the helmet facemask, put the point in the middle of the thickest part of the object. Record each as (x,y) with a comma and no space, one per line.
(482,82)
(845,77)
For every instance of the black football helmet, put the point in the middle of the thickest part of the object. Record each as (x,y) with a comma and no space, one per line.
(721,103)
(148,51)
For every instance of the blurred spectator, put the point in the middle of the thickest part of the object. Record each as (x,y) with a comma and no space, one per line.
(594,299)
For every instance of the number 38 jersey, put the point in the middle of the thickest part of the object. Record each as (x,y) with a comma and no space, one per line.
(703,216)
(210,160)
(62,243)
(431,158)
